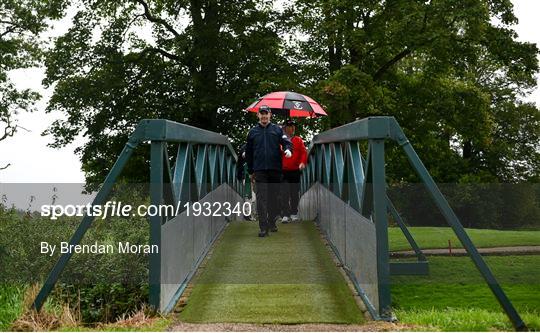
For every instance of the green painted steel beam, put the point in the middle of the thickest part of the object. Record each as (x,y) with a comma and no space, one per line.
(392,209)
(311,169)
(366,202)
(326,165)
(182,173)
(455,224)
(380,218)
(102,195)
(201,173)
(338,169)
(170,131)
(169,195)
(177,185)
(367,128)
(419,254)
(382,128)
(156,198)
(222,165)
(213,168)
(229,167)
(465,240)
(319,162)
(355,174)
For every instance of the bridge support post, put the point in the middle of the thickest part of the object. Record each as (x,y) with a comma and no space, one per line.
(465,240)
(156,198)
(87,220)
(373,203)
(380,219)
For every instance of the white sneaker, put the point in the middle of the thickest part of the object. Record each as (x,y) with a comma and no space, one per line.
(295,218)
(285,219)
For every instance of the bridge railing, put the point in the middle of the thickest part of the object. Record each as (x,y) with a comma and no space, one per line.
(347,196)
(203,170)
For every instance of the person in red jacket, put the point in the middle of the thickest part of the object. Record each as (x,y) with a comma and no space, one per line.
(292,167)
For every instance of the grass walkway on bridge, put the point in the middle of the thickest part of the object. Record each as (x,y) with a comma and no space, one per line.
(286,278)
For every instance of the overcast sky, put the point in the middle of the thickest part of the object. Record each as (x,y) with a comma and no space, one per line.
(33,162)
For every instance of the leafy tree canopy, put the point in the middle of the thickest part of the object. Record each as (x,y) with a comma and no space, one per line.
(21,22)
(196,62)
(452,72)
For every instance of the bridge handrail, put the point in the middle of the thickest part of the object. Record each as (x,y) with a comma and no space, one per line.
(170,131)
(158,132)
(332,150)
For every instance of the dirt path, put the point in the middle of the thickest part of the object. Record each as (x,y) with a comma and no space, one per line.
(228,327)
(509,250)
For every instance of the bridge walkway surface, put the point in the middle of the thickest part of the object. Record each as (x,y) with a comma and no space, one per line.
(286,278)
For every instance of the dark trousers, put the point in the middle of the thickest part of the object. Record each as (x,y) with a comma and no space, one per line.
(267,187)
(290,192)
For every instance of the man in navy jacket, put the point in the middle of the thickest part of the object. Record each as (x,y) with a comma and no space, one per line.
(263,157)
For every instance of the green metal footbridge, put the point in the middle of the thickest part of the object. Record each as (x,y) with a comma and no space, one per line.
(343,190)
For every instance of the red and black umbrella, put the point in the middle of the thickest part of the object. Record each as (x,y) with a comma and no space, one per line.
(290,104)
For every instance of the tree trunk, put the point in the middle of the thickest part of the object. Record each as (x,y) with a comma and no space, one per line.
(204,67)
(467,149)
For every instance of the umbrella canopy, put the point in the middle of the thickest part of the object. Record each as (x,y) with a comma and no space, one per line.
(289,104)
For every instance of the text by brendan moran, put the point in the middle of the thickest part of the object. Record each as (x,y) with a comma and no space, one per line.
(96,248)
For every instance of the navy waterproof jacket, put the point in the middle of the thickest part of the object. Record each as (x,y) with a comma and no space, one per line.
(263,148)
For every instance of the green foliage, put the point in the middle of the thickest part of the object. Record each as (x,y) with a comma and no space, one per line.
(103,302)
(451,75)
(10,304)
(20,25)
(202,64)
(350,89)
(22,22)
(102,286)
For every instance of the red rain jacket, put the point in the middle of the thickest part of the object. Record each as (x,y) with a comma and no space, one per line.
(299,155)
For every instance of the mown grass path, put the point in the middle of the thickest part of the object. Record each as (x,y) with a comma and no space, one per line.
(287,278)
(505,250)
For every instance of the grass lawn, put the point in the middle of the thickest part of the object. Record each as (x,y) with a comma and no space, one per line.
(437,238)
(286,278)
(11,297)
(454,296)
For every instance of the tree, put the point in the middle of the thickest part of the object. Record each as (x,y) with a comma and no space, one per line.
(451,72)
(20,24)
(202,63)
